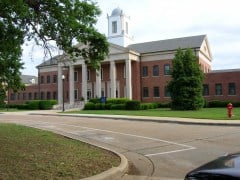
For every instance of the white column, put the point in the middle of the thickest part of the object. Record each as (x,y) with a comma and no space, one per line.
(60,85)
(113,79)
(98,83)
(71,84)
(84,81)
(128,78)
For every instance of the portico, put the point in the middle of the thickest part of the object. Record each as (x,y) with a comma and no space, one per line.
(115,83)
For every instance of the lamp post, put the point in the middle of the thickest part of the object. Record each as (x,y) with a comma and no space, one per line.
(63,78)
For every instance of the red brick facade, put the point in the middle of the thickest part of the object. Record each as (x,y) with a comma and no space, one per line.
(150,73)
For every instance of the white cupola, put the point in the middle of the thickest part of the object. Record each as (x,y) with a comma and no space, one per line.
(118,28)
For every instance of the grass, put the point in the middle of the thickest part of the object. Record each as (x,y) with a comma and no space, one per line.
(28,153)
(205,113)
(10,110)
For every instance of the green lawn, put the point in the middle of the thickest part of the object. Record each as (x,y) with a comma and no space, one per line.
(28,153)
(205,113)
(10,110)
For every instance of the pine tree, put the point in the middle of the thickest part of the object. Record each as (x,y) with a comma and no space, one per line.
(186,84)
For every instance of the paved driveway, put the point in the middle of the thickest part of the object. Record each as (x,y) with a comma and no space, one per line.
(154,150)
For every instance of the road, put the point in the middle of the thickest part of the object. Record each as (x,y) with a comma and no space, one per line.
(156,150)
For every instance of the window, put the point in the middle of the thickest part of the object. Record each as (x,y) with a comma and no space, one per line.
(75,76)
(48,79)
(126,27)
(24,96)
(89,94)
(35,95)
(145,92)
(145,71)
(12,97)
(114,27)
(231,89)
(218,89)
(54,78)
(54,95)
(75,94)
(88,75)
(155,70)
(42,95)
(205,90)
(48,95)
(156,92)
(29,96)
(167,92)
(42,80)
(167,69)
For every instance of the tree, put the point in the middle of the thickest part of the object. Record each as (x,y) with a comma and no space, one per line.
(186,84)
(64,22)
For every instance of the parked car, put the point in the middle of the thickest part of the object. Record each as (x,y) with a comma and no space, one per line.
(226,167)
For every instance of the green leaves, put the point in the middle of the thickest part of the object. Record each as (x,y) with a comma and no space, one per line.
(186,83)
(61,21)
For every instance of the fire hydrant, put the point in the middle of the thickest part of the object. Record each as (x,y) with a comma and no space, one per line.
(229,107)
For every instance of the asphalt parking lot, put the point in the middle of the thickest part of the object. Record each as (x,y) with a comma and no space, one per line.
(158,150)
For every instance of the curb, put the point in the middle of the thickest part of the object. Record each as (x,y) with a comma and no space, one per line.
(113,173)
(186,121)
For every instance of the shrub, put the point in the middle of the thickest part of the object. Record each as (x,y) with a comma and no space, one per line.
(22,106)
(95,100)
(117,100)
(98,106)
(89,106)
(108,106)
(143,106)
(46,104)
(236,104)
(118,106)
(217,103)
(132,105)
(164,105)
(33,105)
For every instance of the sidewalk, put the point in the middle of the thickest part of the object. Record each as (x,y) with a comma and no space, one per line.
(144,118)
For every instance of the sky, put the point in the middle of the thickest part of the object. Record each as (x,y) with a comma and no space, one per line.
(153,20)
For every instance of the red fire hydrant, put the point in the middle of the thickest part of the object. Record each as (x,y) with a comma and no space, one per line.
(229,107)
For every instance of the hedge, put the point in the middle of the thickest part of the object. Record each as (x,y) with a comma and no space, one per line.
(46,104)
(33,105)
(117,100)
(118,106)
(217,103)
(89,106)
(132,105)
(95,100)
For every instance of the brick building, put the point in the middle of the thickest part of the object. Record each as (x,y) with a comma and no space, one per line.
(136,71)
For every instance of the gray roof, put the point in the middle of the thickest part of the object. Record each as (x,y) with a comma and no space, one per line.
(50,62)
(28,79)
(225,70)
(151,47)
(168,44)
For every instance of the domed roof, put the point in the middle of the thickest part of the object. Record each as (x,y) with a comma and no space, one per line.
(116,12)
